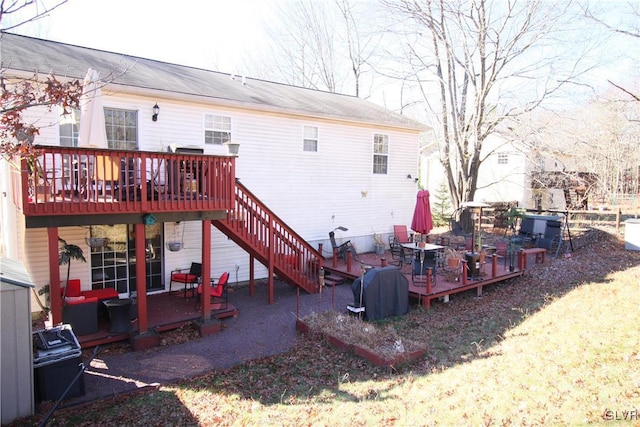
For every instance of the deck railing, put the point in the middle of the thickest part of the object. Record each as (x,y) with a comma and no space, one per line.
(255,228)
(68,181)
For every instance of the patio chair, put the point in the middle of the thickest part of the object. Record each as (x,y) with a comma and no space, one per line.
(218,292)
(342,249)
(189,277)
(552,237)
(421,264)
(452,267)
(400,231)
(399,253)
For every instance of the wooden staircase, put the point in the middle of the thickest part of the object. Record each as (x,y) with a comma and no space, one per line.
(261,233)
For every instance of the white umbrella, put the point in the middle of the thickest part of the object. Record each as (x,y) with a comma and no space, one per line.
(101,170)
(92,131)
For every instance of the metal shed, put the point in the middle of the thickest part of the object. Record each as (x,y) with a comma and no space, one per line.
(16,367)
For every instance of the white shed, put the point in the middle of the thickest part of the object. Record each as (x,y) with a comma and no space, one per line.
(16,367)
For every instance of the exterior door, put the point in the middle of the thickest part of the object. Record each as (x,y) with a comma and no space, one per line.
(114,265)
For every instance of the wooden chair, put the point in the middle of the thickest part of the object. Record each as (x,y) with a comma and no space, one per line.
(218,292)
(189,277)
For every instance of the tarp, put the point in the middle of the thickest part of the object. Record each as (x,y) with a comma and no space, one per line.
(422,220)
(385,293)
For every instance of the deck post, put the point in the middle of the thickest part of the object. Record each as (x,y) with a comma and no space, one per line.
(494,265)
(252,279)
(349,260)
(55,300)
(206,272)
(141,279)
(522,260)
(335,257)
(464,271)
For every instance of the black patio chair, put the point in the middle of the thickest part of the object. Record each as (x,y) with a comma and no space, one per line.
(399,253)
(342,249)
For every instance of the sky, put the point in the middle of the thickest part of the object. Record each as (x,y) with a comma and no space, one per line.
(209,34)
(220,34)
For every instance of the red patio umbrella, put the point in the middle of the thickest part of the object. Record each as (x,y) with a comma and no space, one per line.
(422,221)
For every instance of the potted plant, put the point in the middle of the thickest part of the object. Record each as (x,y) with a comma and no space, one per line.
(66,253)
(379,243)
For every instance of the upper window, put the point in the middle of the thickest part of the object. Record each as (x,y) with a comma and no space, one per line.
(503,158)
(122,129)
(217,129)
(69,127)
(380,153)
(310,142)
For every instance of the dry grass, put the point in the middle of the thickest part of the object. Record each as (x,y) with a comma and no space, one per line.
(559,346)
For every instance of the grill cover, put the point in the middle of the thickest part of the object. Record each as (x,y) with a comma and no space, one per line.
(385,293)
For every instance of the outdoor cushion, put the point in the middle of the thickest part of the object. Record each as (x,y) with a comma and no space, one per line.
(73,288)
(184,277)
(101,294)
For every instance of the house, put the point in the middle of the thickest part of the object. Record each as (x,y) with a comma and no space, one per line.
(309,162)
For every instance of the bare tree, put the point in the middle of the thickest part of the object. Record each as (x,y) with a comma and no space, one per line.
(320,45)
(485,62)
(14,13)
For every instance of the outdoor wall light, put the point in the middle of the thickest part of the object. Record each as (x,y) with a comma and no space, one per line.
(156,111)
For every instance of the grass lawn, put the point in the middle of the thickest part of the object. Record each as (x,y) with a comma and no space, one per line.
(559,346)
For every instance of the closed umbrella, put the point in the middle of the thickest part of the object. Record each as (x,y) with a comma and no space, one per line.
(422,220)
(100,170)
(92,132)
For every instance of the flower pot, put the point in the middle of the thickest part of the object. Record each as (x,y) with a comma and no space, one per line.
(379,249)
(233,148)
(97,242)
(174,246)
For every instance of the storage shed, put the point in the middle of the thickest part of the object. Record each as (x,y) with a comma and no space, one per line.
(16,367)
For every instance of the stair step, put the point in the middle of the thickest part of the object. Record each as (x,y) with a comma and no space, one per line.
(333,280)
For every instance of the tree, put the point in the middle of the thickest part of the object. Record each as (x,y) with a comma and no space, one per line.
(320,45)
(485,64)
(18,95)
(66,253)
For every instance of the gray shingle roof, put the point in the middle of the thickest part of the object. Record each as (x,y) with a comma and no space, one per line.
(29,54)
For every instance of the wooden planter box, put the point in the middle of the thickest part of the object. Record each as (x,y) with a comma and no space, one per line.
(370,356)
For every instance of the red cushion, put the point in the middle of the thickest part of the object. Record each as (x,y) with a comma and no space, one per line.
(101,294)
(73,288)
(184,278)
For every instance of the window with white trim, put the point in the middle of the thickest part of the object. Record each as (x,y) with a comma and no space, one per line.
(69,128)
(122,129)
(217,129)
(503,158)
(310,142)
(380,153)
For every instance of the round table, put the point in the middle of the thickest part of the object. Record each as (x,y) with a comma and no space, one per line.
(118,310)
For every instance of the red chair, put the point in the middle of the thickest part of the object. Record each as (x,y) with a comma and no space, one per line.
(218,291)
(189,278)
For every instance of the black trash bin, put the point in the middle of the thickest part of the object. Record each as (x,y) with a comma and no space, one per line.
(57,360)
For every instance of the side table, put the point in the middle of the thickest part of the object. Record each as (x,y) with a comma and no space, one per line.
(118,309)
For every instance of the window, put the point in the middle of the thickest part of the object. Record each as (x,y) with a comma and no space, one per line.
(310,142)
(217,129)
(122,129)
(503,158)
(69,127)
(380,153)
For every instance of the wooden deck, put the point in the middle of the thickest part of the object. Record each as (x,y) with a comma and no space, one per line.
(165,312)
(494,271)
